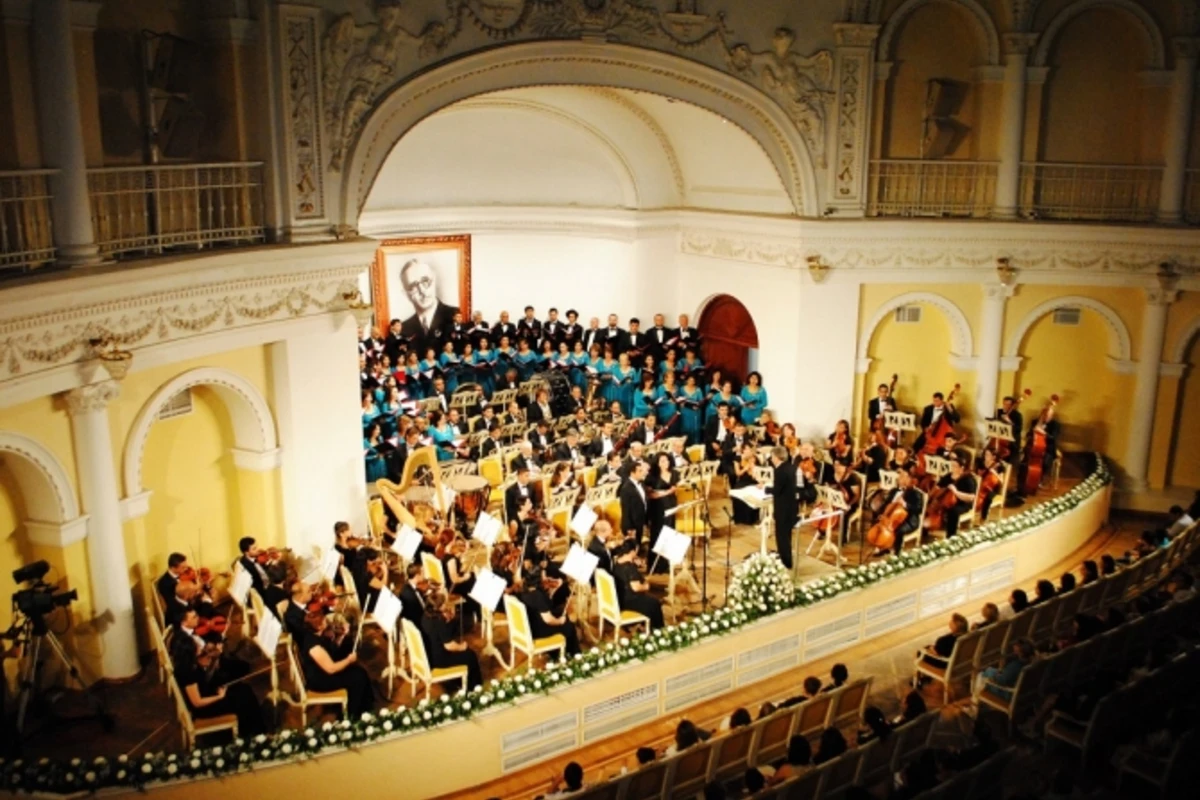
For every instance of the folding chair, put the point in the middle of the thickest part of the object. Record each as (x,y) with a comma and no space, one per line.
(731,754)
(849,703)
(958,667)
(689,770)
(912,737)
(773,735)
(610,607)
(991,646)
(812,715)
(876,764)
(837,776)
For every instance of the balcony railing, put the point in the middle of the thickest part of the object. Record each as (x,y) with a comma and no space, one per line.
(148,210)
(26,237)
(1111,193)
(913,188)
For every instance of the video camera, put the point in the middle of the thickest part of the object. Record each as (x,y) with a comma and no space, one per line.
(41,598)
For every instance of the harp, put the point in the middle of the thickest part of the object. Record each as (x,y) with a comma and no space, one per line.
(393,494)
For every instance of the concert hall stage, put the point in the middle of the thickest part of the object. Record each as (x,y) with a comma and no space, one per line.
(459,755)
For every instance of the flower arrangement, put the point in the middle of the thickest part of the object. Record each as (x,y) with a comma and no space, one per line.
(760,586)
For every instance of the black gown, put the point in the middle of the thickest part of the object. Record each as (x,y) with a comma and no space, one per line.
(537,604)
(239,700)
(628,574)
(744,514)
(354,679)
(438,634)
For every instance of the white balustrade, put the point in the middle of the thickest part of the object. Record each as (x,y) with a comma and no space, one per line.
(26,235)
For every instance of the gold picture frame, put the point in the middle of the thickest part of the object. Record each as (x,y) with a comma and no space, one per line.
(449,258)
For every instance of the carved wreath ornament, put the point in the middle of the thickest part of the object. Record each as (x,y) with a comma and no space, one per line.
(359,62)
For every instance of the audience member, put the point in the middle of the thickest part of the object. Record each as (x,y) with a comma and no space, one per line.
(753,782)
(832,745)
(1091,572)
(1018,601)
(686,735)
(1001,680)
(798,761)
(875,726)
(990,614)
(913,707)
(570,783)
(1044,591)
(1066,583)
(1180,521)
(838,675)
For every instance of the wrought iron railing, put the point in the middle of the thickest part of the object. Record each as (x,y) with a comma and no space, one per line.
(1099,192)
(915,188)
(148,210)
(26,235)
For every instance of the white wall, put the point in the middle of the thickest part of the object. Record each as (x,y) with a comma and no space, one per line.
(825,356)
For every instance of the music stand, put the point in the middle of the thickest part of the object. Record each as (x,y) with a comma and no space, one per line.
(673,546)
(757,498)
(999,429)
(487,591)
(833,500)
(579,566)
(900,422)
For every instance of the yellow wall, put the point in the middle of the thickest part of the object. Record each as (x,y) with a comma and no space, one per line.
(1184,466)
(14,547)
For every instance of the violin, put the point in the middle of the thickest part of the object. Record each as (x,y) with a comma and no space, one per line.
(270,555)
(883,533)
(323,601)
(989,485)
(202,577)
(212,626)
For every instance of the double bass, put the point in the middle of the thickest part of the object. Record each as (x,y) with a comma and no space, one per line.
(935,434)
(1001,448)
(1036,452)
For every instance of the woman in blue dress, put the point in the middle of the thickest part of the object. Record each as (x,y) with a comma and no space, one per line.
(623,381)
(727,397)
(710,392)
(485,362)
(546,357)
(606,370)
(526,360)
(578,360)
(451,365)
(412,376)
(669,364)
(643,398)
(505,353)
(691,411)
(370,411)
(390,411)
(691,364)
(665,397)
(428,367)
(376,466)
(443,436)
(754,399)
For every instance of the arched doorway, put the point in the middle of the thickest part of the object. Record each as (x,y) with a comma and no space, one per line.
(728,334)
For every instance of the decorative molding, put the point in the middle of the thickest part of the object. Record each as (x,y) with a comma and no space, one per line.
(961,346)
(988,73)
(253,422)
(1149,27)
(1121,366)
(1184,341)
(964,363)
(1119,348)
(1010,363)
(57,534)
(983,21)
(1161,297)
(652,125)
(302,112)
(883,70)
(851,34)
(1169,370)
(91,397)
(848,176)
(862,365)
(258,461)
(135,506)
(1016,43)
(998,291)
(46,485)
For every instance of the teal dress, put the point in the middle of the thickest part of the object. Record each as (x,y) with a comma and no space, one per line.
(443,439)
(389,419)
(606,371)
(526,363)
(734,402)
(578,371)
(664,367)
(623,384)
(426,375)
(370,415)
(376,466)
(412,382)
(504,359)
(486,359)
(643,402)
(451,368)
(753,404)
(691,418)
(667,407)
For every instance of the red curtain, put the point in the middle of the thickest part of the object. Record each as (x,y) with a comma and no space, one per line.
(727,333)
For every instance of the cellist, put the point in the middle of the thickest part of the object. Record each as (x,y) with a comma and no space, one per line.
(932,415)
(903,495)
(953,497)
(1042,442)
(991,482)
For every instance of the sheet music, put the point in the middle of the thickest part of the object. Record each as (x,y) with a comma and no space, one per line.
(387,609)
(672,545)
(999,429)
(751,495)
(579,564)
(329,564)
(239,588)
(407,542)
(268,634)
(584,520)
(487,528)
(900,421)
(488,589)
(831,497)
(937,466)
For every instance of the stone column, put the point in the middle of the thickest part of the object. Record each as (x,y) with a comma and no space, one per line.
(991,333)
(1012,124)
(1177,130)
(1145,392)
(112,601)
(853,64)
(60,130)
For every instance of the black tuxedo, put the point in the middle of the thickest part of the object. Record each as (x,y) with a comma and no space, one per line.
(293,621)
(512,497)
(640,342)
(488,446)
(540,441)
(592,336)
(787,509)
(711,429)
(615,337)
(633,509)
(873,409)
(688,338)
(638,433)
(536,414)
(597,548)
(571,333)
(166,587)
(530,463)
(1018,422)
(562,452)
(411,607)
(530,330)
(658,341)
(439,326)
(504,329)
(595,448)
(482,424)
(553,331)
(256,575)
(949,413)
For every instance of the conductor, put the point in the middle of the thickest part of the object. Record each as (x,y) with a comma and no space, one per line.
(786,503)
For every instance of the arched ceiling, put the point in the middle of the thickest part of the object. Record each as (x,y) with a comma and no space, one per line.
(578,146)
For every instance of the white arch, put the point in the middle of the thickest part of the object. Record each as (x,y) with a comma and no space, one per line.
(253,424)
(579,64)
(1179,352)
(1149,27)
(984,21)
(1118,335)
(45,485)
(960,330)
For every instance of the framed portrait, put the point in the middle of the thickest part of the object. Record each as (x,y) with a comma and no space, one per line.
(422,281)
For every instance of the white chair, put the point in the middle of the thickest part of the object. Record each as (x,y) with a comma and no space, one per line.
(418,662)
(958,668)
(191,727)
(610,606)
(432,566)
(165,668)
(260,608)
(242,605)
(916,533)
(520,634)
(304,698)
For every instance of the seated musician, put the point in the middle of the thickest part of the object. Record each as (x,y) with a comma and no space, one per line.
(732,452)
(905,491)
(540,409)
(645,431)
(526,534)
(517,493)
(743,477)
(541,438)
(375,572)
(188,595)
(297,610)
(840,443)
(615,413)
(679,458)
(330,663)
(514,415)
(716,430)
(412,594)
(576,402)
(527,458)
(601,546)
(562,480)
(492,443)
(814,471)
(188,629)
(932,414)
(959,484)
(460,581)
(544,618)
(446,437)
(844,479)
(901,458)
(250,562)
(486,417)
(632,588)
(176,564)
(443,646)
(570,450)
(349,548)
(602,443)
(205,696)
(610,470)
(510,380)
(991,481)
(635,456)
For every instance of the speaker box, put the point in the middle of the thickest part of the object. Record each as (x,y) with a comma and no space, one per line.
(943,135)
(943,97)
(180,126)
(172,64)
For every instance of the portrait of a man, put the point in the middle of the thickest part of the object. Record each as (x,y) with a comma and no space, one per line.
(422,283)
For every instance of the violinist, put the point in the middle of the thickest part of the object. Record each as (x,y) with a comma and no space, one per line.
(349,548)
(840,442)
(192,628)
(297,610)
(844,479)
(901,459)
(952,499)
(412,594)
(1008,412)
(445,649)
(188,596)
(176,565)
(808,465)
(330,663)
(603,444)
(460,581)
(743,477)
(527,458)
(526,534)
(277,592)
(933,414)
(516,494)
(250,562)
(601,544)
(375,571)
(906,494)
(991,477)
(882,403)
(544,618)
(195,673)
(632,588)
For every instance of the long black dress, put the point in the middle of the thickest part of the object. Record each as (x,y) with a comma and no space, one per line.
(628,574)
(239,699)
(438,634)
(656,507)
(744,514)
(354,679)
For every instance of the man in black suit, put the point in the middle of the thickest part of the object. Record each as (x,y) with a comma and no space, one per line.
(503,328)
(636,342)
(602,443)
(1009,413)
(540,409)
(176,564)
(614,336)
(529,328)
(593,335)
(934,413)
(633,502)
(516,494)
(645,430)
(687,337)
(258,576)
(297,611)
(598,546)
(785,502)
(610,470)
(432,318)
(526,458)
(658,337)
(541,438)
(552,329)
(717,434)
(492,443)
(572,330)
(881,403)
(569,449)
(412,602)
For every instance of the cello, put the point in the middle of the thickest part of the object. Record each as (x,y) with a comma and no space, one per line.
(882,534)
(1036,452)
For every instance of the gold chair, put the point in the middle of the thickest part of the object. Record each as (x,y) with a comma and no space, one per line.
(306,699)
(610,606)
(418,662)
(520,634)
(191,727)
(433,569)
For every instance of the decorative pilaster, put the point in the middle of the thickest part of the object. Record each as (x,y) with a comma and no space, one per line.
(60,128)
(848,169)
(1177,129)
(991,333)
(1145,392)
(112,601)
(1012,124)
(303,179)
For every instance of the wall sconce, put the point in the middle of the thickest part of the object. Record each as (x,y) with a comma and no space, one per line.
(1167,276)
(1006,271)
(358,307)
(115,361)
(817,269)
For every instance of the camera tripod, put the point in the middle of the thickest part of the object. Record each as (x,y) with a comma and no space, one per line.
(32,632)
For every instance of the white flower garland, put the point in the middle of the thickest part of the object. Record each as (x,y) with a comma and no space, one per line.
(759,586)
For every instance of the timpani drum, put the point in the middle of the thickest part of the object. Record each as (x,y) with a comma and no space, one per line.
(470,496)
